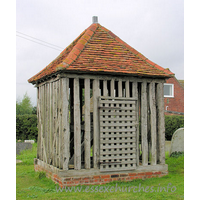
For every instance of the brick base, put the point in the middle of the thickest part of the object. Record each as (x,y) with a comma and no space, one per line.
(97,179)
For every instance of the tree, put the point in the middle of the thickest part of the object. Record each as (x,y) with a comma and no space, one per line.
(34,110)
(25,106)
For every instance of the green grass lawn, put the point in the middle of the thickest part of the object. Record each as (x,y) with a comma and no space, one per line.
(34,185)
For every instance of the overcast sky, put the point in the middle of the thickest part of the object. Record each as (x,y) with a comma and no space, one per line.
(155,28)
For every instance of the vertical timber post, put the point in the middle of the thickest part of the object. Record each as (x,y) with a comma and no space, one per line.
(39,124)
(127,89)
(120,88)
(87,123)
(60,126)
(51,122)
(152,101)
(65,122)
(112,88)
(77,126)
(135,95)
(161,122)
(144,124)
(96,142)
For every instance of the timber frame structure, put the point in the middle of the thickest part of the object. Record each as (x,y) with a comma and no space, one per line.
(97,122)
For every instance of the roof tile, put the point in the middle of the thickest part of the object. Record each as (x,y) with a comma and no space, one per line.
(82,41)
(93,27)
(86,37)
(98,49)
(112,34)
(89,32)
(80,46)
(150,62)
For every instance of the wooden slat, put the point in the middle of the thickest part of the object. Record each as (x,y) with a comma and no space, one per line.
(47,122)
(65,123)
(120,88)
(135,95)
(39,123)
(77,126)
(122,99)
(116,108)
(117,119)
(105,89)
(117,102)
(95,124)
(71,103)
(119,114)
(117,141)
(55,123)
(152,102)
(121,130)
(87,124)
(118,124)
(112,107)
(112,87)
(118,135)
(43,124)
(119,146)
(61,144)
(124,162)
(161,122)
(148,126)
(116,152)
(127,89)
(144,124)
(105,118)
(51,121)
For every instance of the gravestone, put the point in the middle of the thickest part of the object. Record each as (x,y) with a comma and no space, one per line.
(30,141)
(20,146)
(177,143)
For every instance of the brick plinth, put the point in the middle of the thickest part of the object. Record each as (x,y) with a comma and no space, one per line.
(98,179)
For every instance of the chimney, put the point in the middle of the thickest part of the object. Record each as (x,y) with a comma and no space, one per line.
(94,19)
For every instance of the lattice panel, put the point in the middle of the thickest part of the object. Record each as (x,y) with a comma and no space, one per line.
(118,124)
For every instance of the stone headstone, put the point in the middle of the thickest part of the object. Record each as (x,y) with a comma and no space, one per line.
(20,146)
(18,161)
(177,143)
(31,141)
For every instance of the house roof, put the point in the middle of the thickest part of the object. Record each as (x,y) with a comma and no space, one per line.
(98,50)
(181,82)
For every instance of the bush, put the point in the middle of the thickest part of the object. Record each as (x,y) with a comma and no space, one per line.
(176,154)
(26,127)
(172,123)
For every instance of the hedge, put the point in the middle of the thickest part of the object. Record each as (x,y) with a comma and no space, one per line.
(26,127)
(172,123)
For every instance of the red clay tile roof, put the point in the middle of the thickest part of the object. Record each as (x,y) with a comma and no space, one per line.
(99,50)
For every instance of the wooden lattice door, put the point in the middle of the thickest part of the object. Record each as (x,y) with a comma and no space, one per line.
(118,128)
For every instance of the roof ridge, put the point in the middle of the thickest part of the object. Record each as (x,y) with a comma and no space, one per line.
(179,82)
(78,48)
(135,52)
